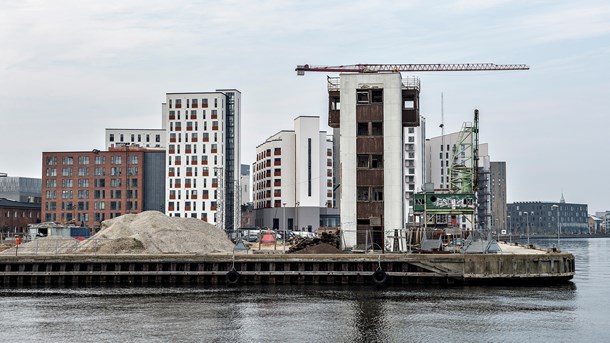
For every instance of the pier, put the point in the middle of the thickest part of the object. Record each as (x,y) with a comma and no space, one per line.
(515,265)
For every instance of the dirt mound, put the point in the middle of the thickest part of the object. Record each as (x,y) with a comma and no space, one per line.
(153,232)
(320,248)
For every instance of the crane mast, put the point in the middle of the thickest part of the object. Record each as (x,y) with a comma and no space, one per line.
(417,67)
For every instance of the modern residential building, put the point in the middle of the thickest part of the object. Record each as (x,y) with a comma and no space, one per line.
(15,217)
(88,187)
(203,156)
(547,218)
(293,178)
(369,112)
(497,176)
(415,166)
(153,139)
(21,189)
(604,225)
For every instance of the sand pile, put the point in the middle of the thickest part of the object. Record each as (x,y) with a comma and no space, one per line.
(153,232)
(46,246)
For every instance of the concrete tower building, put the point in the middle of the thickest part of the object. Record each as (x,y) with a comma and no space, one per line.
(369,113)
(203,156)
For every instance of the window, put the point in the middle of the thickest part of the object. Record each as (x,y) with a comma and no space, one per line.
(100,160)
(377,129)
(68,160)
(66,194)
(132,171)
(51,183)
(115,160)
(83,183)
(158,138)
(363,161)
(362,97)
(377,193)
(409,103)
(99,183)
(66,183)
(51,161)
(99,194)
(377,96)
(115,182)
(100,171)
(132,160)
(83,194)
(115,171)
(363,193)
(83,160)
(363,129)
(66,171)
(51,172)
(83,171)
(376,161)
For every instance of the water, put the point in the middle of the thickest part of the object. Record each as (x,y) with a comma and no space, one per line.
(578,311)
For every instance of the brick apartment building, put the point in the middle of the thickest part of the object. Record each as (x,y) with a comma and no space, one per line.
(88,187)
(15,217)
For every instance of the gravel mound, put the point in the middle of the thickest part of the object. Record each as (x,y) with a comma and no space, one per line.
(153,232)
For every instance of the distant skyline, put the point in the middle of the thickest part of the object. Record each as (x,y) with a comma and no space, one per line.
(70,69)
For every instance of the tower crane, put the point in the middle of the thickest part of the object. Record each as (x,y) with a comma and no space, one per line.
(419,67)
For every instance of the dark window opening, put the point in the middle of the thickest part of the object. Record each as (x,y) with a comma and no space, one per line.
(377,129)
(377,95)
(363,129)
(363,161)
(377,161)
(363,193)
(378,194)
(362,97)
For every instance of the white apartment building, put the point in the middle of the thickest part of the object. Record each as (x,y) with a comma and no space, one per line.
(415,166)
(203,156)
(293,178)
(153,139)
(439,156)
(370,113)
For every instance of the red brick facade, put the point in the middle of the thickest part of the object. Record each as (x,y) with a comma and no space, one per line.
(90,187)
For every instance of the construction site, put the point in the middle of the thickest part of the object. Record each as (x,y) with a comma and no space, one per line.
(369,107)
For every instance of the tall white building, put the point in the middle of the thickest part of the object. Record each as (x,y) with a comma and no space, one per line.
(439,156)
(370,113)
(293,178)
(415,166)
(203,156)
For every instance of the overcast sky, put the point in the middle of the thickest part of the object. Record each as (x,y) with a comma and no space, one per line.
(70,69)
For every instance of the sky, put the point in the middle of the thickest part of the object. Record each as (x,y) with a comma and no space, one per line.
(70,69)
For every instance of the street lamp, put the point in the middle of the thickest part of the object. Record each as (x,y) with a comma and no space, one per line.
(510,231)
(284,224)
(297,216)
(527,224)
(558,227)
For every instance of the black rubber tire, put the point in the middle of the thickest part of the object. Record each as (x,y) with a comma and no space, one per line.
(380,277)
(232,277)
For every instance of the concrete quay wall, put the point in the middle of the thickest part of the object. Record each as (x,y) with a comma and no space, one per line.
(380,269)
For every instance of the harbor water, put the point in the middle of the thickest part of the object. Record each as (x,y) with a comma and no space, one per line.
(577,311)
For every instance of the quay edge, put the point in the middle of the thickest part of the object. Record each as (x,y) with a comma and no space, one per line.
(215,269)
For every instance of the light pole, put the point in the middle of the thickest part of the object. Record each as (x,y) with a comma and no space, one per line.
(558,227)
(510,232)
(284,224)
(527,224)
(297,216)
